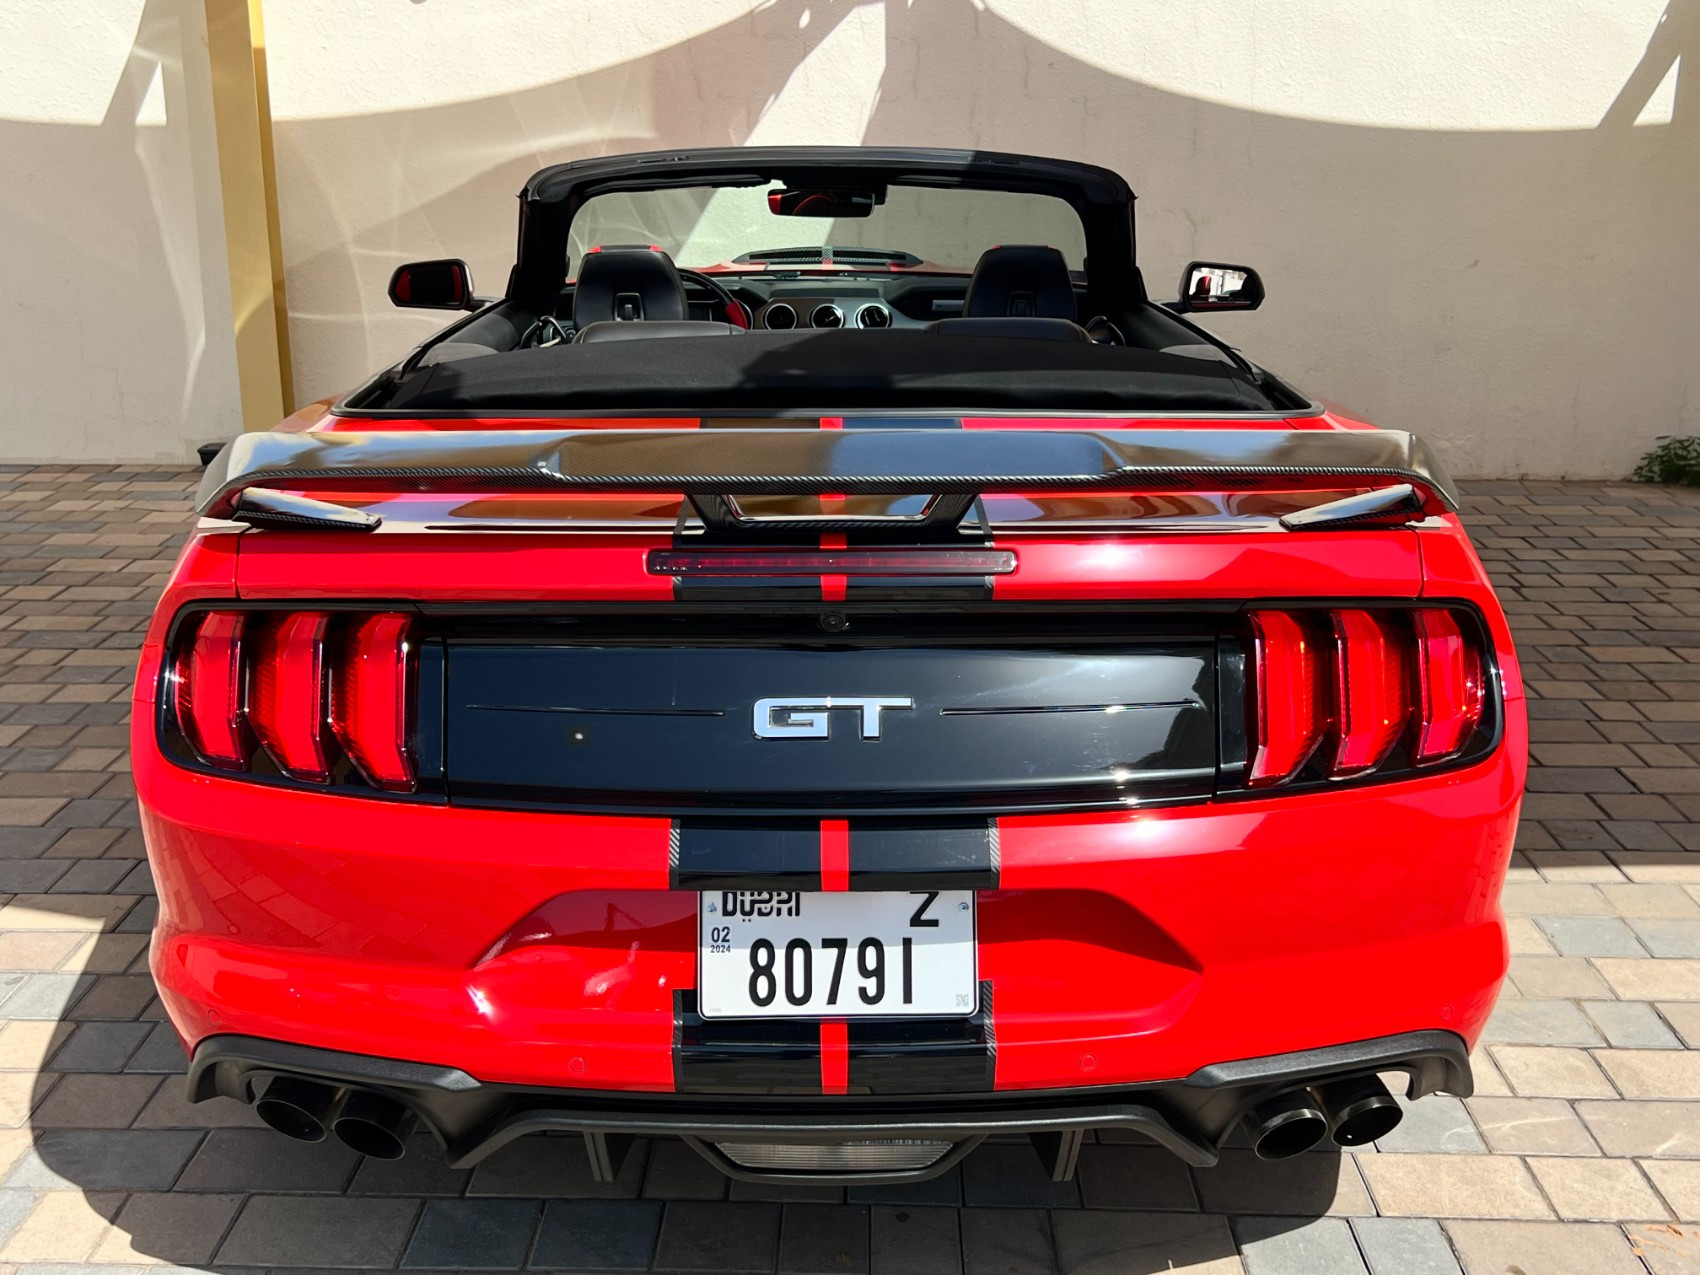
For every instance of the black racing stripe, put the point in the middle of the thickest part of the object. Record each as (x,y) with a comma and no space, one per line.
(919,588)
(787,590)
(925,1055)
(959,854)
(769,854)
(743,1055)
(902,422)
(759,422)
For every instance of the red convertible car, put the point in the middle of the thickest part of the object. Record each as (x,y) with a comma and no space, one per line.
(832,703)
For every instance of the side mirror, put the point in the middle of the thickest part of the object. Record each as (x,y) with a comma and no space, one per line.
(1215,285)
(433,285)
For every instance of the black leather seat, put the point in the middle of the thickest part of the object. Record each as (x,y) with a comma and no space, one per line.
(622,285)
(1021,281)
(652,328)
(1013,329)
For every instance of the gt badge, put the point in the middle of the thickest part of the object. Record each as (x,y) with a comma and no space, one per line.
(807,718)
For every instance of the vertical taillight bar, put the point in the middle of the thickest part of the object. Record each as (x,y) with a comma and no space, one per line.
(286,702)
(1289,716)
(1450,688)
(1339,693)
(372,698)
(207,690)
(1371,688)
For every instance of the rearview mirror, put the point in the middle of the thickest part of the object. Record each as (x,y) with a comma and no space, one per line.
(1215,285)
(808,202)
(433,285)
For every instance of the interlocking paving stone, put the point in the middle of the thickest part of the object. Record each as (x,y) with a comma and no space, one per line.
(473,1234)
(1130,1177)
(105,1160)
(1089,1242)
(1404,1246)
(1315,1183)
(707,1236)
(301,1230)
(1283,1246)
(1630,1025)
(1019,1241)
(260,1160)
(913,1241)
(1010,1175)
(1552,1248)
(551,1167)
(823,1239)
(1436,1123)
(601,1235)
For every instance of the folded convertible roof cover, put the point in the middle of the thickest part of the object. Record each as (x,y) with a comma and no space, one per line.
(787,461)
(835,371)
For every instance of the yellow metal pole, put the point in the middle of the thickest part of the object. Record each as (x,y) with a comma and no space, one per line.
(242,113)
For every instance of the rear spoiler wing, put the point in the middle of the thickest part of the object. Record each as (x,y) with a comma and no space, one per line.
(713,467)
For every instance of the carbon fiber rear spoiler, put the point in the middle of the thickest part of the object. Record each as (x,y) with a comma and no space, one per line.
(712,467)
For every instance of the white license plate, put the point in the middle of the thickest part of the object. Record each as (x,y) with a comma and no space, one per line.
(788,954)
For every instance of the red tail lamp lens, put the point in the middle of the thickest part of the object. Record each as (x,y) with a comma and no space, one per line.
(287,702)
(1288,691)
(208,691)
(371,700)
(1371,682)
(1449,686)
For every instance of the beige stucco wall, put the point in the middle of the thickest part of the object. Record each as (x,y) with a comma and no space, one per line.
(114,293)
(1475,220)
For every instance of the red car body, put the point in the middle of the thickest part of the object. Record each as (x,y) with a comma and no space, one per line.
(494,966)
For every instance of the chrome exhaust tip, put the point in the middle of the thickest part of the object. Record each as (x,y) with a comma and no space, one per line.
(299,1109)
(375,1126)
(1286,1125)
(1360,1109)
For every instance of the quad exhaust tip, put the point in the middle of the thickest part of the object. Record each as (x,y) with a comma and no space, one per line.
(375,1126)
(299,1109)
(1358,1110)
(366,1122)
(1286,1125)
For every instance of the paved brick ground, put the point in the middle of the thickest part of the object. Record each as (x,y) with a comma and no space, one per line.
(1580,1152)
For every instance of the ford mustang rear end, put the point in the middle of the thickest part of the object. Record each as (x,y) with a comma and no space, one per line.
(1136,745)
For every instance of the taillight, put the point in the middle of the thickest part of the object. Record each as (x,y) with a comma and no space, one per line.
(1349,692)
(1449,687)
(1290,709)
(310,688)
(369,701)
(286,699)
(207,690)
(1371,677)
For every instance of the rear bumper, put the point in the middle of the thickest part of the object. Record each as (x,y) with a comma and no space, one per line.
(543,950)
(471,1119)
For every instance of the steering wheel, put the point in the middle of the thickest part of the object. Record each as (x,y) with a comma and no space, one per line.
(533,338)
(729,304)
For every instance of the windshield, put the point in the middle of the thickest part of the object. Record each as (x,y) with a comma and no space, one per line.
(923,227)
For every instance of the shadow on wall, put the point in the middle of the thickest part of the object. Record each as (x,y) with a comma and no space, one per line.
(114,269)
(1525,299)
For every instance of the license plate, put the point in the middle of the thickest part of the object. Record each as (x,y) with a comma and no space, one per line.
(789,954)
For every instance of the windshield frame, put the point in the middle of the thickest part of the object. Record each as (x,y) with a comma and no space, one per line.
(1101,199)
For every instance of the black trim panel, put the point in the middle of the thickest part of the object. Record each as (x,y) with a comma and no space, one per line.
(960,854)
(716,854)
(743,1055)
(925,1055)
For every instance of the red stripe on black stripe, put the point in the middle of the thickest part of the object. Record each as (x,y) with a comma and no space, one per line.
(835,1057)
(834,854)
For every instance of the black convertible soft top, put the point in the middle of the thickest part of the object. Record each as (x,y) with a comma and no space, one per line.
(831,373)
